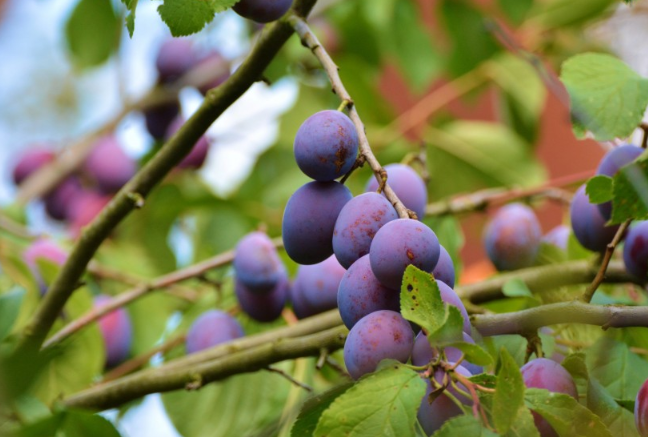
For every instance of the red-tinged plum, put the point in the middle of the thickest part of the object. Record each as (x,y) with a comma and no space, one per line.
(610,165)
(108,165)
(211,328)
(45,250)
(641,410)
(588,224)
(257,264)
(117,332)
(158,118)
(318,284)
(357,224)
(549,375)
(635,250)
(558,236)
(408,186)
(433,415)
(175,58)
(360,293)
(58,202)
(512,237)
(263,307)
(444,270)
(195,158)
(401,243)
(31,160)
(423,353)
(85,207)
(262,11)
(309,220)
(377,336)
(326,145)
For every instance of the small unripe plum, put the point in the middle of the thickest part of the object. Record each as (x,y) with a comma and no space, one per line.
(611,164)
(588,224)
(635,250)
(444,270)
(401,243)
(326,145)
(377,336)
(195,158)
(433,415)
(263,307)
(117,332)
(262,11)
(43,250)
(641,410)
(318,284)
(175,57)
(512,237)
(558,236)
(31,160)
(211,328)
(549,375)
(408,186)
(108,165)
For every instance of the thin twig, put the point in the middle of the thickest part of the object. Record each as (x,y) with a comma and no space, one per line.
(292,380)
(609,251)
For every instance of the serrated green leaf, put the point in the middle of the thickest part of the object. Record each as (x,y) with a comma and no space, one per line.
(576,366)
(523,425)
(185,17)
(313,408)
(450,329)
(420,300)
(9,309)
(464,425)
(607,97)
(92,32)
(472,352)
(619,420)
(383,403)
(509,393)
(567,417)
(516,287)
(618,370)
(630,192)
(599,189)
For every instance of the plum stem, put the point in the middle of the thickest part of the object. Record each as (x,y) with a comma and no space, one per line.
(292,380)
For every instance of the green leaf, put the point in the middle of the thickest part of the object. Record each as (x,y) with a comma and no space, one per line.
(515,10)
(450,329)
(599,189)
(516,287)
(523,425)
(131,5)
(92,32)
(509,393)
(567,417)
(185,17)
(607,97)
(83,424)
(472,353)
(619,420)
(9,309)
(383,403)
(563,13)
(464,425)
(313,408)
(630,193)
(485,379)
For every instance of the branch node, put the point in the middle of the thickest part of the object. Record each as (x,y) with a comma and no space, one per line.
(195,383)
(136,198)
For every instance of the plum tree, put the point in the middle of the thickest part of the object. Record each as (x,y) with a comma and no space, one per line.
(635,250)
(116,330)
(588,224)
(317,284)
(211,328)
(408,186)
(262,11)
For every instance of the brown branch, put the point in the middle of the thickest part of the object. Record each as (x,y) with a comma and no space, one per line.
(310,41)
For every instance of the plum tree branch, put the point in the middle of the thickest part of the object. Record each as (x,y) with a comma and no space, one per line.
(179,145)
(310,41)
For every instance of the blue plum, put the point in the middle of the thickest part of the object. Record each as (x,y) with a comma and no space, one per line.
(211,328)
(408,186)
(588,224)
(357,224)
(318,284)
(117,332)
(159,117)
(175,57)
(444,269)
(215,67)
(360,293)
(58,202)
(635,250)
(309,220)
(262,11)
(108,165)
(257,264)
(263,307)
(400,243)
(433,415)
(423,353)
(512,237)
(610,165)
(380,335)
(299,304)
(326,145)
(558,236)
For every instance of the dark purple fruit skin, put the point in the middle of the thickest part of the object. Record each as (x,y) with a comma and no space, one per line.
(444,270)
(211,328)
(175,58)
(326,145)
(357,224)
(257,264)
(299,304)
(360,293)
(196,158)
(398,244)
(309,220)
(108,165)
(408,186)
(433,416)
(610,165)
(512,237)
(547,374)
(318,284)
(47,250)
(558,236)
(377,336)
(264,307)
(641,410)
(158,118)
(588,224)
(635,250)
(423,353)
(30,161)
(59,201)
(262,11)
(117,332)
